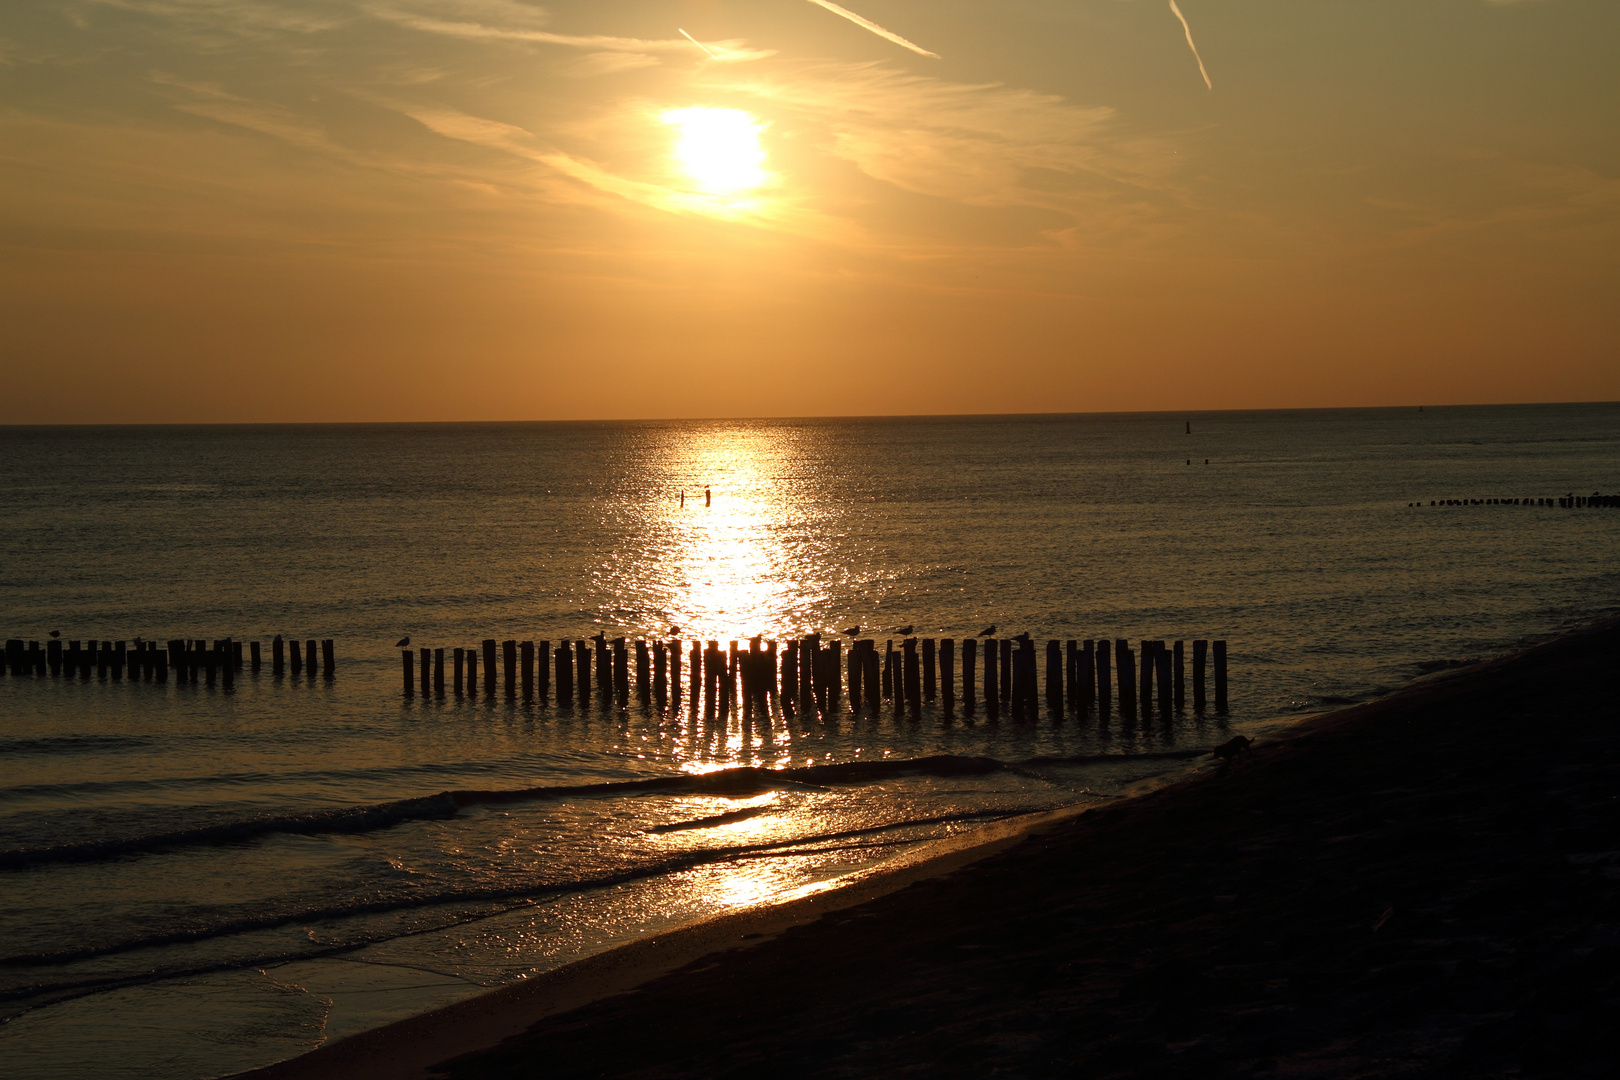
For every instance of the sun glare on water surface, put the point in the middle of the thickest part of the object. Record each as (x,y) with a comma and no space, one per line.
(718,148)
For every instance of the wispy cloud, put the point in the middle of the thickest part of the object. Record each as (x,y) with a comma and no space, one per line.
(1188,31)
(733,51)
(868,24)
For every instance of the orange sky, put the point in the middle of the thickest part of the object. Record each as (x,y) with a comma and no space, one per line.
(243,210)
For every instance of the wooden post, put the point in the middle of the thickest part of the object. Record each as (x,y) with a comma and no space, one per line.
(410,674)
(309,656)
(660,675)
(1005,688)
(1086,676)
(1054,676)
(160,665)
(1220,675)
(1146,678)
(490,670)
(970,660)
(809,647)
(472,673)
(643,671)
(770,675)
(526,666)
(899,679)
(460,661)
(438,672)
(713,678)
(565,673)
(604,671)
(888,668)
(1127,676)
(835,687)
(855,670)
(947,673)
(1105,681)
(695,679)
(227,664)
(992,678)
(675,676)
(728,679)
(542,670)
(427,676)
(582,667)
(790,677)
(1015,702)
(1161,662)
(509,659)
(872,677)
(928,669)
(1180,655)
(53,656)
(278,662)
(253,654)
(1071,673)
(1200,653)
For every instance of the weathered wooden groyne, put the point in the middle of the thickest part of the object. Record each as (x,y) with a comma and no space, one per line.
(1594,501)
(808,676)
(191,660)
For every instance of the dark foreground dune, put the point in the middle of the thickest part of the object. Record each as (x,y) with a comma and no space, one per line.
(1425,885)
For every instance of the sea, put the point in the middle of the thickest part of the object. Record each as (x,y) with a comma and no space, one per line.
(199,879)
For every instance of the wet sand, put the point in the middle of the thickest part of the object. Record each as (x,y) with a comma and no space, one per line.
(1428,884)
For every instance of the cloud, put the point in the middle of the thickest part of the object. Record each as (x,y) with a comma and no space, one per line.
(730,51)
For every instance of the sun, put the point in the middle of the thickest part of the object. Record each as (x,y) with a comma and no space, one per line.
(718,148)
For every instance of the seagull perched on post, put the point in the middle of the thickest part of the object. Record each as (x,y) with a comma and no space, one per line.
(400,644)
(988,631)
(1021,637)
(56,633)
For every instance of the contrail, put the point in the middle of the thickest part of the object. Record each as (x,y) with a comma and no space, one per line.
(1190,44)
(698,43)
(874,27)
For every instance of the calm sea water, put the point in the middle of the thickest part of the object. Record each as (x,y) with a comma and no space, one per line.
(194,882)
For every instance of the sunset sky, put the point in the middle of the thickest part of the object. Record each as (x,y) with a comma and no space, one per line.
(283,210)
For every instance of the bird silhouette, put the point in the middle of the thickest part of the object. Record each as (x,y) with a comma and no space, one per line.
(674,630)
(987,631)
(400,644)
(56,633)
(905,629)
(1021,637)
(853,631)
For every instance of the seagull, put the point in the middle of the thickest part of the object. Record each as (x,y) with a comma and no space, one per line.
(988,631)
(1021,637)
(853,631)
(674,630)
(56,633)
(400,644)
(905,629)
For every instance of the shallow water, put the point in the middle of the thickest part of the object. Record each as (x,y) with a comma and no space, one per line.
(194,881)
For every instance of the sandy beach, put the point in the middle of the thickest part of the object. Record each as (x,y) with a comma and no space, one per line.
(1427,884)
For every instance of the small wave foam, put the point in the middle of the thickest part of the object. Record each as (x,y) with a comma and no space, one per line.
(517,891)
(740,782)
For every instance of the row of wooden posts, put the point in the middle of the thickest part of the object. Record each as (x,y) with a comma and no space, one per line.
(192,660)
(1593,501)
(808,676)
